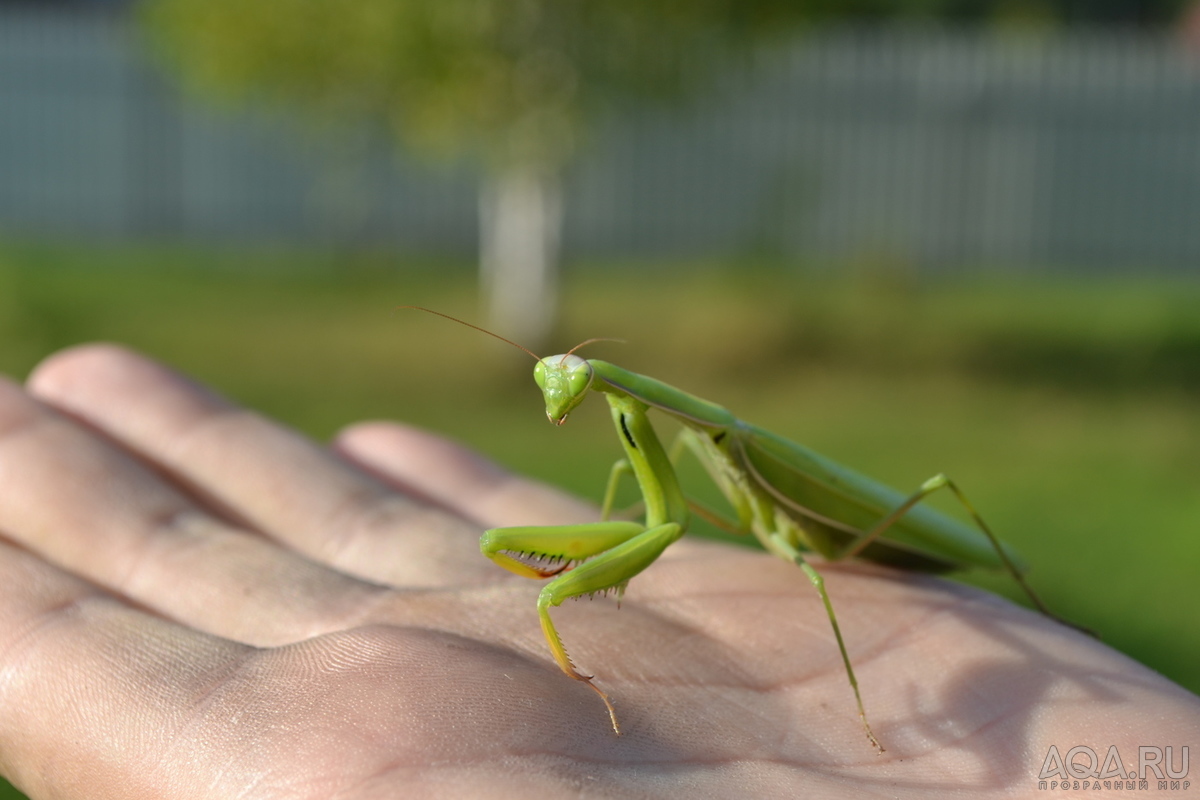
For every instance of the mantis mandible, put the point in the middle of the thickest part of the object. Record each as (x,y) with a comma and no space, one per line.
(790,498)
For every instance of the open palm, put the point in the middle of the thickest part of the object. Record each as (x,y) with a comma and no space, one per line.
(198,602)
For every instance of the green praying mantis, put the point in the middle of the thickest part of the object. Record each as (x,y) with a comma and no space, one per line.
(793,500)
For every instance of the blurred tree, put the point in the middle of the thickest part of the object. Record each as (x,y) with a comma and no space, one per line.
(1069,12)
(513,82)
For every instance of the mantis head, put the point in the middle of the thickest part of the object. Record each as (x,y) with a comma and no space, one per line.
(564,380)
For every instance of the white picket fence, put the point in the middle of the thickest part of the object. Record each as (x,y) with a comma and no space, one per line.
(940,149)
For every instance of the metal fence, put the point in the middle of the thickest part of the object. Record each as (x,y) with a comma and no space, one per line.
(937,148)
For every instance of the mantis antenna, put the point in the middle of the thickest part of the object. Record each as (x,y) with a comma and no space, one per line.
(584,343)
(536,357)
(593,340)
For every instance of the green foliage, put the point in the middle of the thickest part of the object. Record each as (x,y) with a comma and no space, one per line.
(513,79)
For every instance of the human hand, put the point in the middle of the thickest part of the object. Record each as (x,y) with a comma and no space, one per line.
(197,602)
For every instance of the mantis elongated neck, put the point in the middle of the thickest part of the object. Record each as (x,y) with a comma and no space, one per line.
(651,466)
(663,396)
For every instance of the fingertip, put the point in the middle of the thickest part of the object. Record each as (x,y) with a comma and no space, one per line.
(417,458)
(400,444)
(98,381)
(63,370)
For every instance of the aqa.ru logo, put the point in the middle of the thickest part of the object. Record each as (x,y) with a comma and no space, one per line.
(1082,769)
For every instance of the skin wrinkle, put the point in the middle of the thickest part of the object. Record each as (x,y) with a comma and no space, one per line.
(391,485)
(674,763)
(733,657)
(188,735)
(191,440)
(459,481)
(240,677)
(174,445)
(27,413)
(663,610)
(37,425)
(234,677)
(893,639)
(230,672)
(398,525)
(382,599)
(912,633)
(497,484)
(158,521)
(961,738)
(345,605)
(861,659)
(487,484)
(365,514)
(346,524)
(745,685)
(977,731)
(60,614)
(168,520)
(369,602)
(78,611)
(672,760)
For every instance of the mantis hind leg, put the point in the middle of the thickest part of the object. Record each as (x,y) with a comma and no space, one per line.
(778,533)
(782,547)
(941,481)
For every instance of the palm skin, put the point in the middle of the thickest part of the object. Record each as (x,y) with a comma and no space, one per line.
(196,602)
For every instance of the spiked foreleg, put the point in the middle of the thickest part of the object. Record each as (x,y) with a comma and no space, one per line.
(612,570)
(543,551)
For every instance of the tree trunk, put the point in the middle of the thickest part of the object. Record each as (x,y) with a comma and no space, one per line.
(520,230)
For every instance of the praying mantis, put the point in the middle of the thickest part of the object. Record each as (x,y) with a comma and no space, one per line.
(792,499)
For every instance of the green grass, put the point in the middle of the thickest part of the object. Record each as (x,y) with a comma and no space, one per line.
(1068,409)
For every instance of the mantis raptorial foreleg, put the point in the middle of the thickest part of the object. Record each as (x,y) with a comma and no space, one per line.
(545,551)
(542,551)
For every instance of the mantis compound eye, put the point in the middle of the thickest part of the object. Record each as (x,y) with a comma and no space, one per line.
(578,380)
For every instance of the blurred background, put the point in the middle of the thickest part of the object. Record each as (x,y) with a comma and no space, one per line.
(919,236)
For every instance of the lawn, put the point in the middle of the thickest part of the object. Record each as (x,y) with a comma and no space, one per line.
(1067,409)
